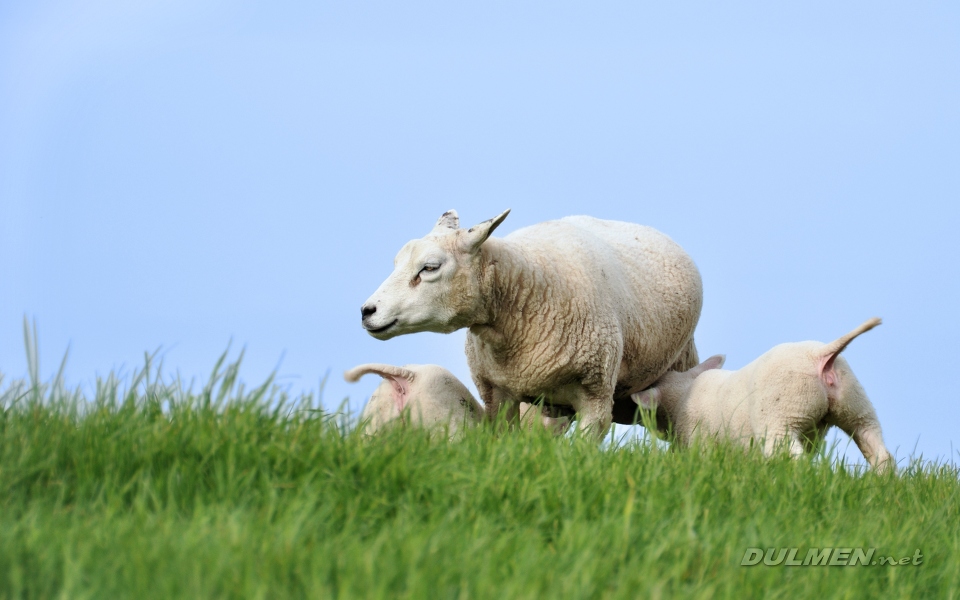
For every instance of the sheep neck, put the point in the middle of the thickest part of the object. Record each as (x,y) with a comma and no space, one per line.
(510,285)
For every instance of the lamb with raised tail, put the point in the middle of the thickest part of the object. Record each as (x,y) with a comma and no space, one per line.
(580,310)
(427,396)
(792,394)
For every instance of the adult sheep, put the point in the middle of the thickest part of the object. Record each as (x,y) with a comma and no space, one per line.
(582,311)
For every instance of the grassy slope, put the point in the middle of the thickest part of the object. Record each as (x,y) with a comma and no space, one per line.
(162,493)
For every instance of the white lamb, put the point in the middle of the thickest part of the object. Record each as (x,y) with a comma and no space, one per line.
(792,393)
(581,310)
(426,396)
(551,418)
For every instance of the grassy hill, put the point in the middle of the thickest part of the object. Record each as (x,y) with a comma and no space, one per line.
(150,491)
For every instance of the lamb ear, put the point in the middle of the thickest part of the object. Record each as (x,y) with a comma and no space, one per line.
(648,399)
(478,234)
(448,220)
(714,362)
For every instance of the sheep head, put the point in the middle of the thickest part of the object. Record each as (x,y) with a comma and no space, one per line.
(434,285)
(671,389)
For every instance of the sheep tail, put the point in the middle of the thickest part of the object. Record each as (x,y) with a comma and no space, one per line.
(837,346)
(380,369)
(830,352)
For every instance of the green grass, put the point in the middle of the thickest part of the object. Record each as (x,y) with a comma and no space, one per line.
(147,490)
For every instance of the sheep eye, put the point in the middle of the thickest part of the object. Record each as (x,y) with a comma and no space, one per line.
(429,268)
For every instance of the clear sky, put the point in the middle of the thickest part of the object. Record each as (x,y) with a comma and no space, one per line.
(178,174)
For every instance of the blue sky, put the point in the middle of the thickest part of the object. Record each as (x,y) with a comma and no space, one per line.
(180,175)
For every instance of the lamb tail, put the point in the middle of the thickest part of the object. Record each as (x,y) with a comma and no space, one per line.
(837,346)
(383,370)
(831,351)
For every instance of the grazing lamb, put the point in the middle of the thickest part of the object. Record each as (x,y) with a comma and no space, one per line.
(792,393)
(423,395)
(580,310)
(547,417)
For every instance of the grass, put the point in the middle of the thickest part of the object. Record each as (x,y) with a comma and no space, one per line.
(148,490)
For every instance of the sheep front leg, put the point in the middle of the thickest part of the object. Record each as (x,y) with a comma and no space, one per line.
(593,397)
(594,413)
(496,400)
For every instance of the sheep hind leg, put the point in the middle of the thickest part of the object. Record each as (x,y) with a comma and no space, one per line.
(791,441)
(813,441)
(870,441)
(795,445)
(853,412)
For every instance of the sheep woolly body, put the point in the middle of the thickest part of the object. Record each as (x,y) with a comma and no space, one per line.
(581,310)
(422,395)
(794,392)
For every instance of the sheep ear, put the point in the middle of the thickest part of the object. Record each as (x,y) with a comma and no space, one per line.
(448,220)
(714,362)
(648,399)
(478,234)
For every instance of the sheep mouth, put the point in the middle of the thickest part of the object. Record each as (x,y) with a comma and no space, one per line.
(381,329)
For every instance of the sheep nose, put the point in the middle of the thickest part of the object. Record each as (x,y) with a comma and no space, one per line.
(366,310)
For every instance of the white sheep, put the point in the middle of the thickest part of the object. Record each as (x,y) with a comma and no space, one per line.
(426,396)
(792,394)
(581,310)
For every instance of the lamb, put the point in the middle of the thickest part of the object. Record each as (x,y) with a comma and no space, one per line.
(551,418)
(426,396)
(792,394)
(580,310)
